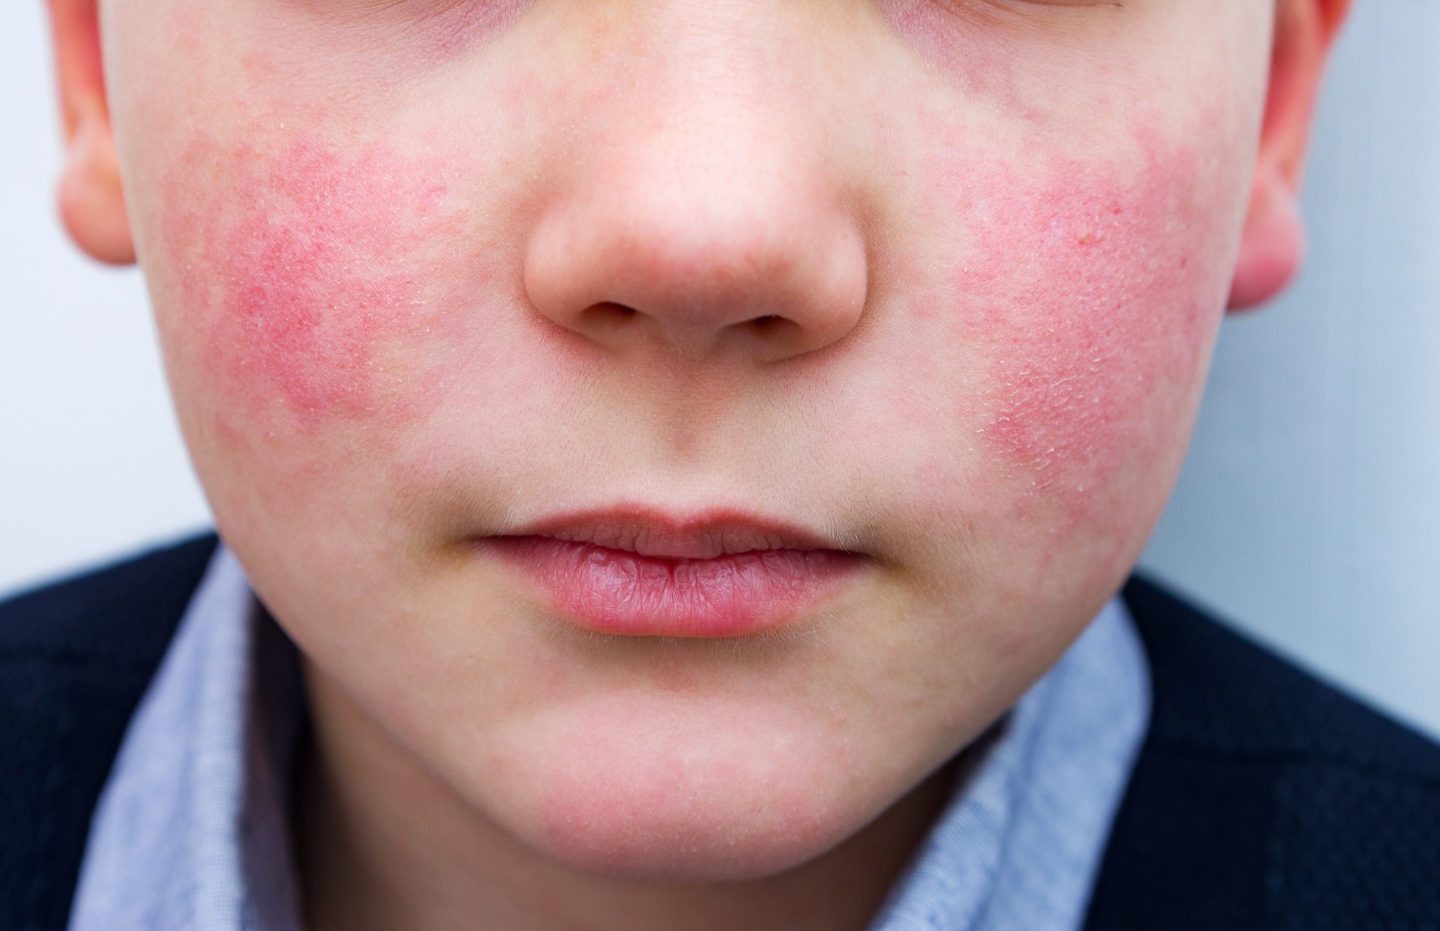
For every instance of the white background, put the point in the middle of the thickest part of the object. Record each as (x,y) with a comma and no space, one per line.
(1308,510)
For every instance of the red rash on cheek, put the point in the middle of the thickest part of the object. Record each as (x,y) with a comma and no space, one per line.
(1086,298)
(303,270)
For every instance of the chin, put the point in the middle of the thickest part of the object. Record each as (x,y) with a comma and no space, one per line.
(705,805)
(628,834)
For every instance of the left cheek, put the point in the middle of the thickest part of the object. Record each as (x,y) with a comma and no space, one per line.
(1101,301)
(1080,298)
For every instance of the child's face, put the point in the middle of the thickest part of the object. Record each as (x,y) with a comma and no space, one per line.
(389,244)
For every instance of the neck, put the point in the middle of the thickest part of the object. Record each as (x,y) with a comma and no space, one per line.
(382,844)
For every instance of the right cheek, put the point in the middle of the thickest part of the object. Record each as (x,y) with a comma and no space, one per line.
(299,280)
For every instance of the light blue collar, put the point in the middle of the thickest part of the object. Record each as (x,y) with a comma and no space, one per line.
(1019,847)
(191,830)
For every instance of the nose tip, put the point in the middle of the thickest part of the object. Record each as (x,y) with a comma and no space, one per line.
(762,285)
(708,236)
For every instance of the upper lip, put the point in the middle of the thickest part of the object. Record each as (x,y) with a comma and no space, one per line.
(649,531)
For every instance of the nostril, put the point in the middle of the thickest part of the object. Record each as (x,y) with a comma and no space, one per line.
(607,311)
(607,321)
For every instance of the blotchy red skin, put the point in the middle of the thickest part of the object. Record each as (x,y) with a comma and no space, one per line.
(331,296)
(1077,301)
(324,264)
(1113,317)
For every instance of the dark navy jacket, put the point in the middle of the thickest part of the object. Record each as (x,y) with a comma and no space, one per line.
(1262,798)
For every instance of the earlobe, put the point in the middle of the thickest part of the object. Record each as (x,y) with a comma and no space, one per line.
(90,199)
(1273,240)
(1272,244)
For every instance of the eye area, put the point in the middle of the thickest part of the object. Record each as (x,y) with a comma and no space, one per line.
(1111,3)
(1041,14)
(1022,8)
(1020,5)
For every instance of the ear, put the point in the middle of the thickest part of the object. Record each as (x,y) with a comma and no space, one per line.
(1273,241)
(91,203)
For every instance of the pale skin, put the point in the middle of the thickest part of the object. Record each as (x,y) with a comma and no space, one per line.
(941,278)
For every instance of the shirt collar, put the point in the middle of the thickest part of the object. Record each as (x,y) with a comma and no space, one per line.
(191,829)
(1020,843)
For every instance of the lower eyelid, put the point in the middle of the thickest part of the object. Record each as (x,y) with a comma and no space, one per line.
(1043,7)
(436,29)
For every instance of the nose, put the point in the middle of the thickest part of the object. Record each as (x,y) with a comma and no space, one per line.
(701,214)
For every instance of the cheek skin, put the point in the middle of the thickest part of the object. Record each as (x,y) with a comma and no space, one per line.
(1093,341)
(298,288)
(1085,296)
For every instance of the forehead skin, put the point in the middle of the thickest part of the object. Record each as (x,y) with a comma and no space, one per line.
(385,243)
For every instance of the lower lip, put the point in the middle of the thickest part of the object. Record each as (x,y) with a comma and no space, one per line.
(619,592)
